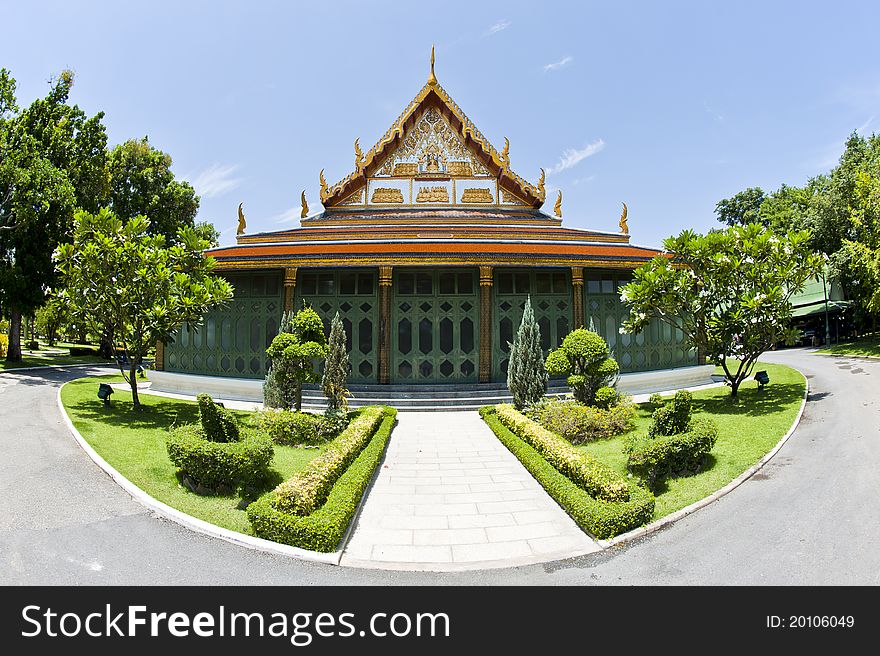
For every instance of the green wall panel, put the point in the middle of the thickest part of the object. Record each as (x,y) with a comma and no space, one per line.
(435,321)
(232,340)
(354,294)
(550,291)
(659,346)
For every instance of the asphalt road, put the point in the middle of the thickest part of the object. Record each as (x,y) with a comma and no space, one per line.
(811,516)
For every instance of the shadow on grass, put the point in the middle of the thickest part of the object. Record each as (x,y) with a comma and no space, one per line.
(122,413)
(752,401)
(662,486)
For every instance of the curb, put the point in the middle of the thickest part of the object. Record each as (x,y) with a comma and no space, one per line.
(188,521)
(727,489)
(847,356)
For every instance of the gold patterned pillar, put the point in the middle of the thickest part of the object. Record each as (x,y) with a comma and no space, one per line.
(486,323)
(289,287)
(159,364)
(577,296)
(385,324)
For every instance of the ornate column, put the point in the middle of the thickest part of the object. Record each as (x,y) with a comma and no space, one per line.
(289,287)
(577,296)
(385,324)
(486,279)
(159,364)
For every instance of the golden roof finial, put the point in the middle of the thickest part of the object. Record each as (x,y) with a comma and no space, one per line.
(624,228)
(505,153)
(557,209)
(324,190)
(541,181)
(358,154)
(305,206)
(432,79)
(242,224)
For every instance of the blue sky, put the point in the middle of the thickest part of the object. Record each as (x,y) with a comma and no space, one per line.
(668,106)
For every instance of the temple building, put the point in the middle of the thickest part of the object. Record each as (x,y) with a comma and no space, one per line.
(427,250)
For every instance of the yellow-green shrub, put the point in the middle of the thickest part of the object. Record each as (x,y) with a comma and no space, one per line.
(583,469)
(4,345)
(307,489)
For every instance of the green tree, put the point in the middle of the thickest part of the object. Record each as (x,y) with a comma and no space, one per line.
(728,291)
(336,368)
(49,319)
(142,183)
(293,353)
(52,160)
(584,357)
(116,274)
(526,375)
(862,254)
(742,208)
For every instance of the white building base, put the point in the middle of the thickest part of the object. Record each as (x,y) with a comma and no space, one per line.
(414,397)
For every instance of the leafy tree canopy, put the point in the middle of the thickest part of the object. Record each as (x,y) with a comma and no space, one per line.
(142,183)
(121,280)
(728,291)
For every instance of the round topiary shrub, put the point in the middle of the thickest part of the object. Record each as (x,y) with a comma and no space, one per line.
(219,467)
(215,457)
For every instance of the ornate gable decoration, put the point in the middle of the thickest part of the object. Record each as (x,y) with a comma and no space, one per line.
(432,155)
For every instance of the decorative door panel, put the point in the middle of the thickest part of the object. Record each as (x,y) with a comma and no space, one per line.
(232,339)
(550,291)
(352,293)
(435,326)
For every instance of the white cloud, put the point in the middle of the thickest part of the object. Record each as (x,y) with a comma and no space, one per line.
(289,215)
(718,117)
(864,126)
(572,156)
(585,180)
(215,180)
(501,25)
(555,66)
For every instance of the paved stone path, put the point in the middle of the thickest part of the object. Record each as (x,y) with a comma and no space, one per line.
(449,496)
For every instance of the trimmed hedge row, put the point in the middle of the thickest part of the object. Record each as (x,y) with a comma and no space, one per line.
(306,490)
(653,459)
(324,528)
(215,465)
(595,477)
(602,519)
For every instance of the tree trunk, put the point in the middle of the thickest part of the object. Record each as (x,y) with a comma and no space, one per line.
(734,388)
(13,354)
(132,381)
(105,349)
(298,397)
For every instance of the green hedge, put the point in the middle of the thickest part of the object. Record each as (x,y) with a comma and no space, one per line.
(289,427)
(215,465)
(323,529)
(602,519)
(306,490)
(653,459)
(595,477)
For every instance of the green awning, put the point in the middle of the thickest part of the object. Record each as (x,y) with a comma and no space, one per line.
(834,307)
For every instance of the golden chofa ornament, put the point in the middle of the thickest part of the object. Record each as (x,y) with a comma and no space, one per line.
(557,208)
(624,227)
(432,79)
(242,224)
(305,206)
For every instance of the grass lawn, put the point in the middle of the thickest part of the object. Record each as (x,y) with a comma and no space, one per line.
(134,444)
(747,429)
(869,346)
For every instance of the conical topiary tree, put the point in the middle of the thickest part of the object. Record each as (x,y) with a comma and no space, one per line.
(293,352)
(336,368)
(526,375)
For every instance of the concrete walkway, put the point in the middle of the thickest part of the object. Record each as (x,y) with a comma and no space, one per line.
(450,496)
